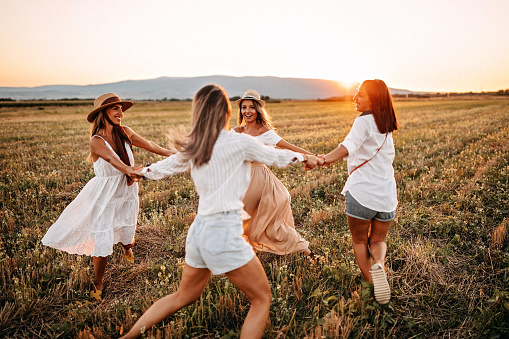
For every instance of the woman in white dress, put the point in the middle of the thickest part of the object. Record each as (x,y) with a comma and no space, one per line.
(219,164)
(370,191)
(271,227)
(105,211)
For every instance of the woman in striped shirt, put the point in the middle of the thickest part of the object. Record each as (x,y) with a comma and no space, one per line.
(219,165)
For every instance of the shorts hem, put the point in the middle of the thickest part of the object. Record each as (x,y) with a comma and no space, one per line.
(384,219)
(355,216)
(193,265)
(232,267)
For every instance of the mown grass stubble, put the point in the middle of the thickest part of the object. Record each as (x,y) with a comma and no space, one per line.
(447,258)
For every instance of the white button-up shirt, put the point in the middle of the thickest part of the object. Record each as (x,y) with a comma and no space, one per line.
(372,185)
(222,182)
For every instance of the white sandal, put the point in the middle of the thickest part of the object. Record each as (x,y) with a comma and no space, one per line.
(382,289)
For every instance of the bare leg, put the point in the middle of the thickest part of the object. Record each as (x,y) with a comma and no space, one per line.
(192,284)
(377,245)
(359,229)
(252,280)
(99,269)
(378,249)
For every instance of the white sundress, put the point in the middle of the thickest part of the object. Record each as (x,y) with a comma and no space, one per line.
(104,213)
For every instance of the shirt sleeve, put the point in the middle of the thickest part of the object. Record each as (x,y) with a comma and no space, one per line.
(269,138)
(254,150)
(173,164)
(357,135)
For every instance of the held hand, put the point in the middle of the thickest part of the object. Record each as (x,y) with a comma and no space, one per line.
(324,162)
(132,172)
(138,170)
(310,162)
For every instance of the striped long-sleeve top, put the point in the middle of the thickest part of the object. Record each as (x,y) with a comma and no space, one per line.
(222,182)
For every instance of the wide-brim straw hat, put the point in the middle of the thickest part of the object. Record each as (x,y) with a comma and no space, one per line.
(106,100)
(251,94)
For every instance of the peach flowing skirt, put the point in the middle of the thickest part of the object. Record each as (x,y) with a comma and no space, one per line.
(271,227)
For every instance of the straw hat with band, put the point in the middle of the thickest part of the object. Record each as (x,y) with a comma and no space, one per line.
(251,94)
(107,100)
(119,135)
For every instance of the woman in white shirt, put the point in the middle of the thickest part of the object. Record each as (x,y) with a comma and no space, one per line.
(270,227)
(370,190)
(219,164)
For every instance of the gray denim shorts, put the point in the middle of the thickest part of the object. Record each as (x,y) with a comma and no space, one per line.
(216,242)
(354,209)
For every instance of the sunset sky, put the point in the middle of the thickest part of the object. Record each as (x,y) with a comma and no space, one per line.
(432,45)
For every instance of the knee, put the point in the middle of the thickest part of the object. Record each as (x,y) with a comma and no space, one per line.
(361,241)
(359,238)
(266,295)
(262,297)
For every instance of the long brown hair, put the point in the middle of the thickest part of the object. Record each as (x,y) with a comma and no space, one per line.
(119,135)
(381,105)
(98,124)
(211,113)
(262,118)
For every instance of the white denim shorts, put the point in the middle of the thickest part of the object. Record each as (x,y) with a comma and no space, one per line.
(215,242)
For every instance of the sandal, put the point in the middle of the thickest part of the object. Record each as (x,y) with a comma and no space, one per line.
(96,294)
(381,286)
(128,257)
(313,257)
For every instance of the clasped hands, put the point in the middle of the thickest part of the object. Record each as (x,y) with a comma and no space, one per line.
(310,162)
(135,173)
(313,161)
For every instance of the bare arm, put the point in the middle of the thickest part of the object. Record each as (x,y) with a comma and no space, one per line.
(147,144)
(337,154)
(99,149)
(286,145)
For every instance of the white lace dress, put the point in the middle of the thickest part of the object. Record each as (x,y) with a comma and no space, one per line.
(104,213)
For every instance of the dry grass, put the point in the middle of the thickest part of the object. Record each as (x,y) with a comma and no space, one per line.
(448,254)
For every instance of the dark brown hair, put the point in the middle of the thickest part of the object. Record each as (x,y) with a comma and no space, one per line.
(119,135)
(381,105)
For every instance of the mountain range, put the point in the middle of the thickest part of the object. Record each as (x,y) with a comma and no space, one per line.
(185,87)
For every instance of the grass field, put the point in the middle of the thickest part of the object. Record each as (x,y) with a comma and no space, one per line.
(448,256)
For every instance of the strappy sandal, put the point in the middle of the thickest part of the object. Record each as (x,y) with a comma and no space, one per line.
(313,257)
(381,286)
(128,257)
(96,294)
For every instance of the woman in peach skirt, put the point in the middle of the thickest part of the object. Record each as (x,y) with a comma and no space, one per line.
(267,201)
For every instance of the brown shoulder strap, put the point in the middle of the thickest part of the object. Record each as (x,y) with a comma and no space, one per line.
(378,150)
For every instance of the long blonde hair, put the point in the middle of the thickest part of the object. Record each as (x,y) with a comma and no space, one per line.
(262,118)
(211,113)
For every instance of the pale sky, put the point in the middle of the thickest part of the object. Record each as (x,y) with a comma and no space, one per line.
(420,45)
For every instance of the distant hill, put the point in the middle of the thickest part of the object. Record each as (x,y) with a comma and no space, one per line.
(186,87)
